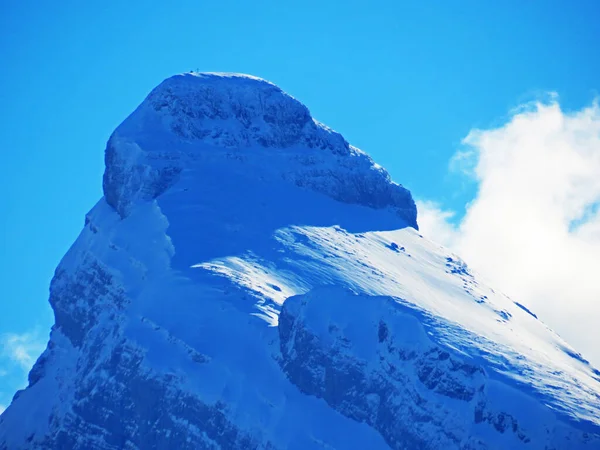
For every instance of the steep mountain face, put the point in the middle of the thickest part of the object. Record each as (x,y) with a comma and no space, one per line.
(251,281)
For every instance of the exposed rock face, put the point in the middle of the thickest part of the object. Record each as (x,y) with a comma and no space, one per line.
(244,112)
(251,281)
(401,389)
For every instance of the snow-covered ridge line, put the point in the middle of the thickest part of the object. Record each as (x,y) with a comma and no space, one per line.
(234,75)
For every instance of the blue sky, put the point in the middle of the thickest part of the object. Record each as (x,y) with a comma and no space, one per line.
(405,81)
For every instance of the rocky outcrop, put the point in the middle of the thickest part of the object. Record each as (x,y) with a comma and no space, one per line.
(381,367)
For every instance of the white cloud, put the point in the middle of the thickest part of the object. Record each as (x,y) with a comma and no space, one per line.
(534,227)
(2,408)
(21,349)
(436,223)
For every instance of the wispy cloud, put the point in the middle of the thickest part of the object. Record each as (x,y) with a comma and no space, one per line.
(534,227)
(2,408)
(21,349)
(18,353)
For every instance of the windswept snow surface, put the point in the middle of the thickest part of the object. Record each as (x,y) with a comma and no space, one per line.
(251,280)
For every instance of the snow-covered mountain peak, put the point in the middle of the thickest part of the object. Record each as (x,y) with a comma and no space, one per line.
(232,124)
(251,281)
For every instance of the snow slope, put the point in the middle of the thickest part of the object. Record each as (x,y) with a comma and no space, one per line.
(251,280)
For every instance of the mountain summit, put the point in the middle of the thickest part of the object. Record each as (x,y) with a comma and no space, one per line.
(249,280)
(209,119)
